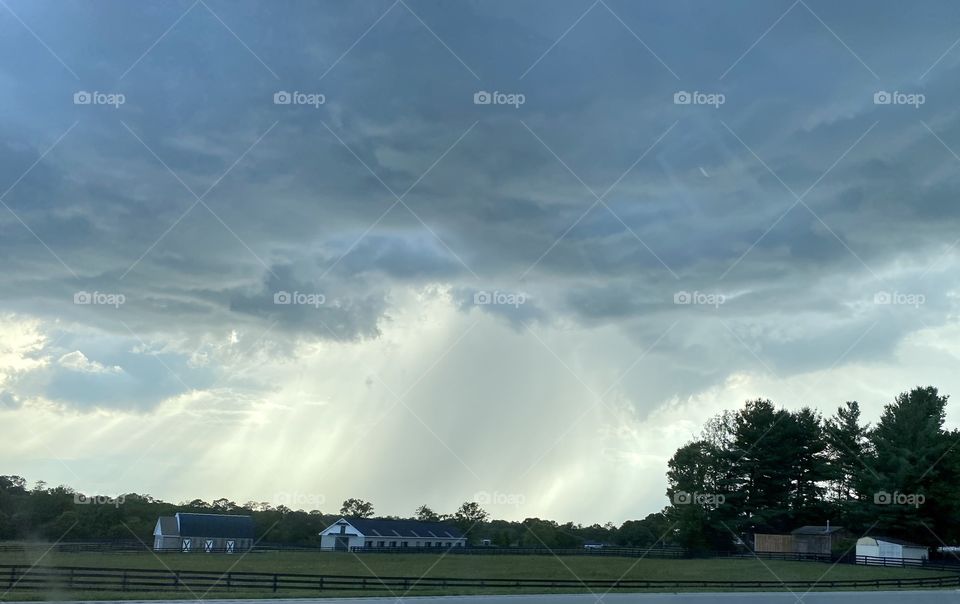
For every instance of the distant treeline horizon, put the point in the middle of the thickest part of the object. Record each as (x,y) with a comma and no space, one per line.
(759,469)
(64,514)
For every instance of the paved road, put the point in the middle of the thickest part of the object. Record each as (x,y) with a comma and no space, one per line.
(848,597)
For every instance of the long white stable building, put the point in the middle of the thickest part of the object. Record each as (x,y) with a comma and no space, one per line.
(350,533)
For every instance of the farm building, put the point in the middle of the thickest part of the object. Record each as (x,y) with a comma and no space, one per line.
(781,544)
(817,539)
(203,533)
(349,533)
(888,547)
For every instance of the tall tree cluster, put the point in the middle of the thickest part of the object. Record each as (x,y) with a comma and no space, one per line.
(765,469)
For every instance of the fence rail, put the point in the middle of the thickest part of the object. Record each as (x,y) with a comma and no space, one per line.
(201,582)
(133,546)
(946,565)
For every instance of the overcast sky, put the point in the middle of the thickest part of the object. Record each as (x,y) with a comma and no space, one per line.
(427,252)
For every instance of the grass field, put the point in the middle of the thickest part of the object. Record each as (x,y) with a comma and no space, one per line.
(430,565)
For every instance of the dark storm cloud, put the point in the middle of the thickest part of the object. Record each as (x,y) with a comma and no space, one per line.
(295,189)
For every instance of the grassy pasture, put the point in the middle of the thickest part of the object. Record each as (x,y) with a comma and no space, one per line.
(436,565)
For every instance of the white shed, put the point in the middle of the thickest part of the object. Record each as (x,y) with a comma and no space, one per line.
(870,549)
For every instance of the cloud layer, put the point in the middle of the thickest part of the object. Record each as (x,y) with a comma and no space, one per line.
(386,275)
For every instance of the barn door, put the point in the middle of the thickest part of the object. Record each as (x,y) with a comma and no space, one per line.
(186,545)
(230,545)
(208,545)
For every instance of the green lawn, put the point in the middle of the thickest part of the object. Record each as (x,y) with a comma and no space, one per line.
(460,566)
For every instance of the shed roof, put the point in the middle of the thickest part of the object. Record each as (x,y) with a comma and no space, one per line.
(215,525)
(412,529)
(894,540)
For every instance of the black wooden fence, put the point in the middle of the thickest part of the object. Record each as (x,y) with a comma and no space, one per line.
(199,583)
(129,546)
(949,564)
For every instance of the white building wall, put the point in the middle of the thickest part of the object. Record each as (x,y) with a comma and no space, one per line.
(914,553)
(878,548)
(329,540)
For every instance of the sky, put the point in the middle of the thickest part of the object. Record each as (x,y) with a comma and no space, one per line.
(425,252)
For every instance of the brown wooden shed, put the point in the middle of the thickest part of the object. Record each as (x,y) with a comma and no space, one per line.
(817,539)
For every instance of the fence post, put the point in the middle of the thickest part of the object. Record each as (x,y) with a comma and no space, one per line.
(123,585)
(274,582)
(13,574)
(229,575)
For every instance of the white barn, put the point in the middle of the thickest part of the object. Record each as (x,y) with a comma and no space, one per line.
(203,532)
(888,547)
(350,533)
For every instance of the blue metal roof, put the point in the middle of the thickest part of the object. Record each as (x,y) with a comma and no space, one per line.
(215,525)
(411,529)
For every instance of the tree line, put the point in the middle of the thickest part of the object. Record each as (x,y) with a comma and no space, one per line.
(764,469)
(42,513)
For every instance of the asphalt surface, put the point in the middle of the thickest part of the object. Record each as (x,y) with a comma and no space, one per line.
(847,597)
